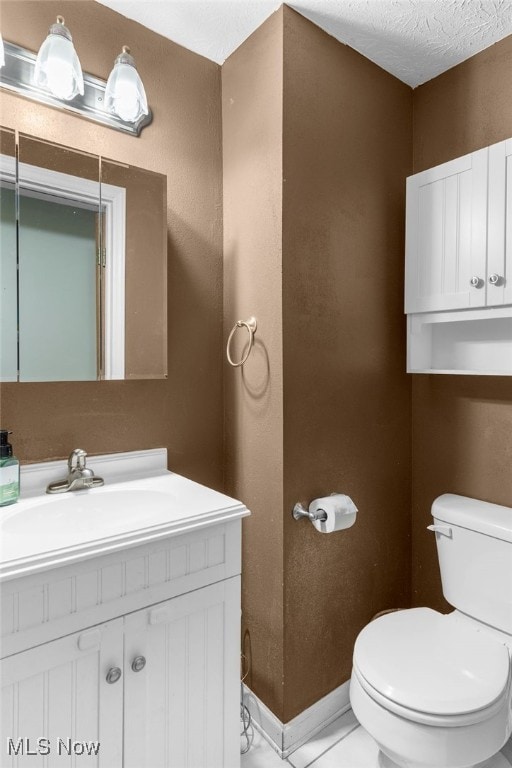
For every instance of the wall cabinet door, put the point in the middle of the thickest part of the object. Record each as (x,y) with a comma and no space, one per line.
(446,236)
(499,258)
(58,693)
(182,706)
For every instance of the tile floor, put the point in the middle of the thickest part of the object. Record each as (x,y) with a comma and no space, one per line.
(343,744)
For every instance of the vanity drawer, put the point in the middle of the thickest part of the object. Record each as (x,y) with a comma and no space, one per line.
(59,601)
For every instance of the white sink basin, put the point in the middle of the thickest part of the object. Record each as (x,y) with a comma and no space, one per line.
(70,518)
(43,530)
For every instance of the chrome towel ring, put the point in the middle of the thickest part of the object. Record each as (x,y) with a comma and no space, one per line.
(251,326)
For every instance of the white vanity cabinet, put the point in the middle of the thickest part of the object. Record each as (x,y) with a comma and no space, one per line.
(157,688)
(137,648)
(55,698)
(458,265)
(177,713)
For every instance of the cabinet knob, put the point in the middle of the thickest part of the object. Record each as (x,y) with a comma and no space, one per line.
(138,663)
(113,675)
(476,282)
(495,279)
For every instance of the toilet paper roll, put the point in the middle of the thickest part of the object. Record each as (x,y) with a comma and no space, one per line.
(340,510)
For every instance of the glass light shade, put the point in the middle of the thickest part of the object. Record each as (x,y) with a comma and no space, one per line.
(2,52)
(125,95)
(57,66)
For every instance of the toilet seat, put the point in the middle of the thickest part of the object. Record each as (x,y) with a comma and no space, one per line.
(426,718)
(428,668)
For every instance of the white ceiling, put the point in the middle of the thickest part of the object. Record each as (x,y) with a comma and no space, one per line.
(415,40)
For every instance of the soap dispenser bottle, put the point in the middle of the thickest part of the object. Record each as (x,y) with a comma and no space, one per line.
(9,472)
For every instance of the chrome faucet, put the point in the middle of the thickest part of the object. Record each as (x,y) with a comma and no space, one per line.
(79,476)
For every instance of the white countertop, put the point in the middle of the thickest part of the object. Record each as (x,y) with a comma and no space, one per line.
(42,531)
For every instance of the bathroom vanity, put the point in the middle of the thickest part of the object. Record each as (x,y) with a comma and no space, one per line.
(120,620)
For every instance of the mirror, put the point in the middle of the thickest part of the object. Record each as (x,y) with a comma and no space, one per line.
(8,261)
(83,265)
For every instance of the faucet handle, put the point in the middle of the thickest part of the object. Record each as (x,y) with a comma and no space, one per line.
(77,459)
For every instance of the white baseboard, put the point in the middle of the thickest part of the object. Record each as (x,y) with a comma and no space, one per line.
(285,738)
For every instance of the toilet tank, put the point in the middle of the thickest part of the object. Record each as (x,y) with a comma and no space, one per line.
(474,546)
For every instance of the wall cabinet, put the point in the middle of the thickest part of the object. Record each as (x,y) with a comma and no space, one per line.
(446,234)
(499,238)
(152,674)
(458,269)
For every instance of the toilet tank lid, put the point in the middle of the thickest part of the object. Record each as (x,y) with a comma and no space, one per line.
(481,516)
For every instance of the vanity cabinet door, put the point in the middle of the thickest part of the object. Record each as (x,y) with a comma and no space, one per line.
(499,259)
(56,703)
(446,236)
(182,704)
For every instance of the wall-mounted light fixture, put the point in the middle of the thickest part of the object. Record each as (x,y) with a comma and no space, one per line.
(54,77)
(57,66)
(125,95)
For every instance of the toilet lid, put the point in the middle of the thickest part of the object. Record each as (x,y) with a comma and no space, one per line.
(425,661)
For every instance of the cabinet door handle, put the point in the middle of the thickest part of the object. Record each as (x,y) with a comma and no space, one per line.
(476,282)
(113,675)
(138,663)
(495,279)
(88,640)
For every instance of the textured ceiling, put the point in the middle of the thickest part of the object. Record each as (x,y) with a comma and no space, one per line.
(415,40)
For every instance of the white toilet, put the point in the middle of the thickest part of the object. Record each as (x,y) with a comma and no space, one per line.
(434,690)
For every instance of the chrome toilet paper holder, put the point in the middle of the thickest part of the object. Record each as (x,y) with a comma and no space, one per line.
(328,514)
(300,510)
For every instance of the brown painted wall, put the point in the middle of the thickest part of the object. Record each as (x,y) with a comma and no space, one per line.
(184,412)
(462,425)
(252,151)
(317,144)
(347,152)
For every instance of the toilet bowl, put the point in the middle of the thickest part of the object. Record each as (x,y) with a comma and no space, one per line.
(434,690)
(431,691)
